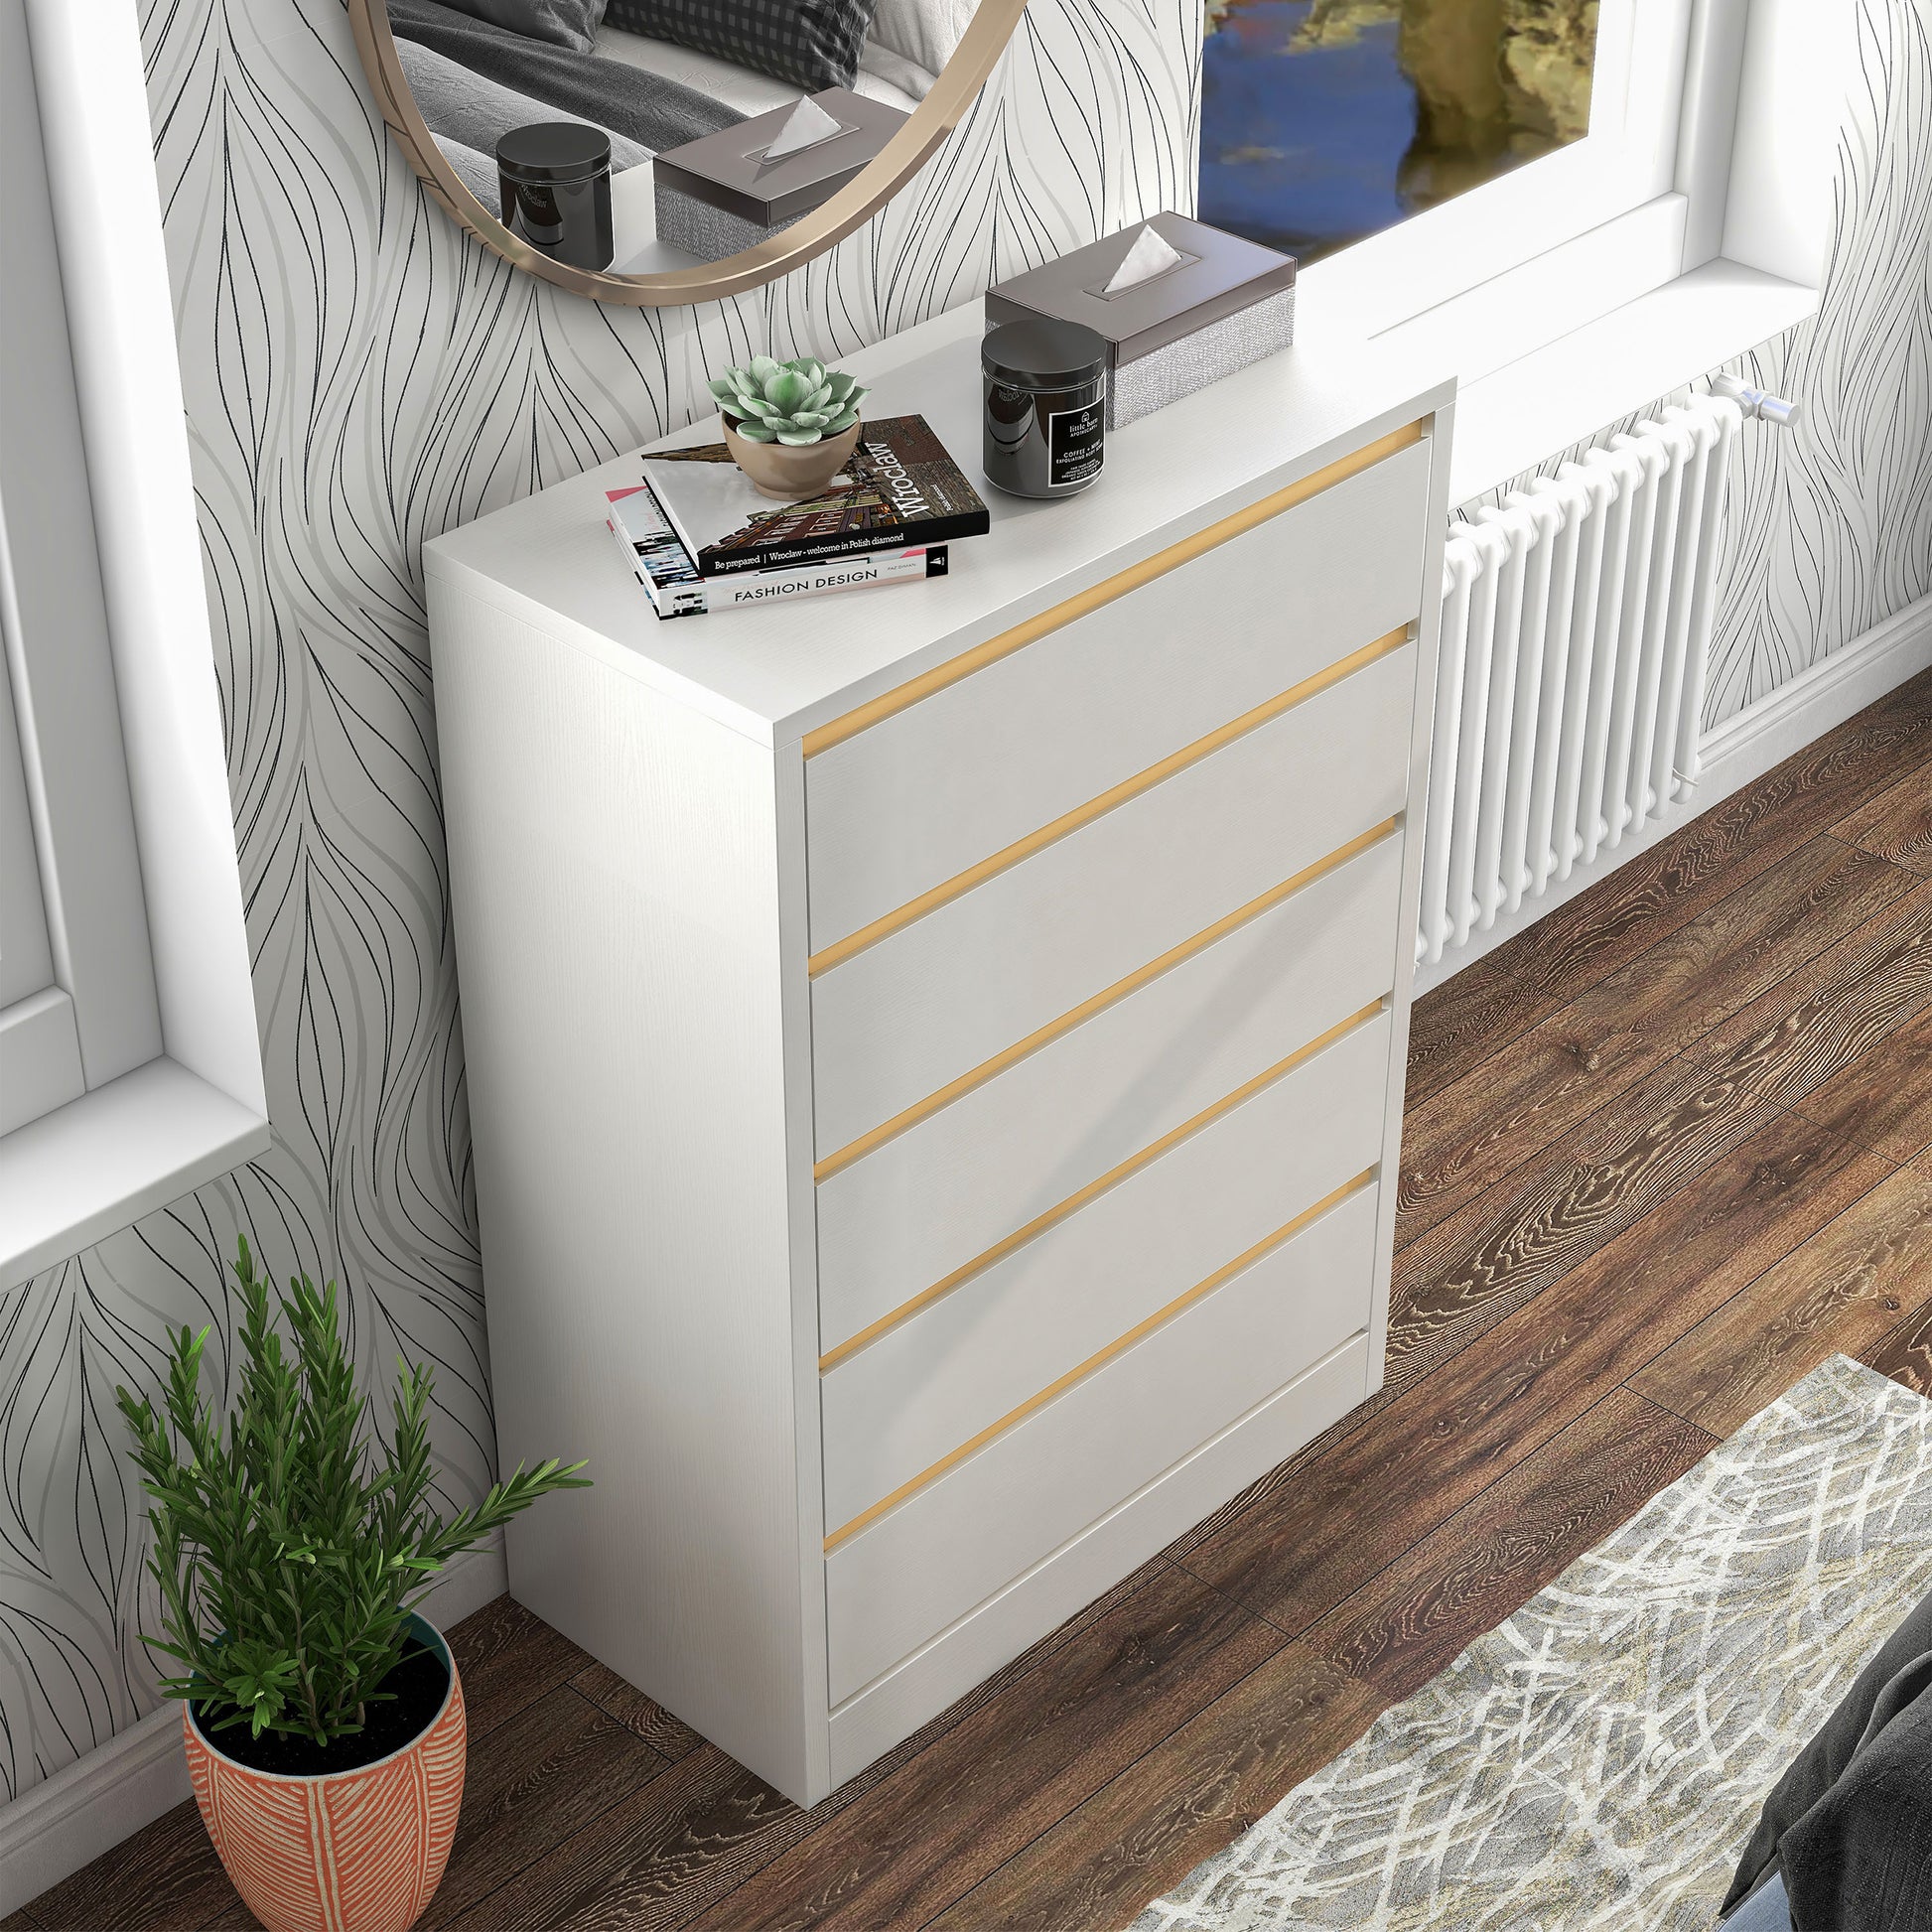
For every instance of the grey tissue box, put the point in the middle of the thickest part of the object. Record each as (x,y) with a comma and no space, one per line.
(718,194)
(1226,304)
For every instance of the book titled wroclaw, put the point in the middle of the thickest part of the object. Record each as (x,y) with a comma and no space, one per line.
(700,537)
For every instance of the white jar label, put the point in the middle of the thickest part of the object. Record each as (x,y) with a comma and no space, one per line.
(1075,442)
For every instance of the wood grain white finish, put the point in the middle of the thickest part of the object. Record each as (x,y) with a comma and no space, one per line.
(917,798)
(905,1017)
(630,1113)
(1092,1560)
(957,1542)
(911,1396)
(932,1200)
(1402,1000)
(1175,1018)
(1167,480)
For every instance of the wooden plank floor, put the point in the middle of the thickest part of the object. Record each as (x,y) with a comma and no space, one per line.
(1664,1154)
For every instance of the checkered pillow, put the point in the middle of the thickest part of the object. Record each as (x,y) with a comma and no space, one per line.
(811,43)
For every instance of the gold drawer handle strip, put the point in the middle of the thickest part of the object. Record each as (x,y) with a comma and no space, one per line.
(963,883)
(903,696)
(1094,1189)
(865,1518)
(988,1069)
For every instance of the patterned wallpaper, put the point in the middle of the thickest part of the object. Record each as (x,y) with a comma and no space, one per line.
(360,375)
(1829,525)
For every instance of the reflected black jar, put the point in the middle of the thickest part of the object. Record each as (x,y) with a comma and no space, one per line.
(555,179)
(1046,389)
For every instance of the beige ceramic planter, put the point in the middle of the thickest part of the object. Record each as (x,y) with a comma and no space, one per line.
(789,471)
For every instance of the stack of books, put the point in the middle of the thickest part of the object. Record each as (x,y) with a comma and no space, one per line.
(701,538)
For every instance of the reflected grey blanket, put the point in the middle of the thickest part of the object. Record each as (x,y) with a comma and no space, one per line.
(469,114)
(642,107)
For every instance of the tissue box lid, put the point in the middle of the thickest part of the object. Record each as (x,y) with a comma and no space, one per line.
(1225,275)
(727,168)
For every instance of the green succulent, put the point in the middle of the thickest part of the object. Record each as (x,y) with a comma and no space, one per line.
(789,402)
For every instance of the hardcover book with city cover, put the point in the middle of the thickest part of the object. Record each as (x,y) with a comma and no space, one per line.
(898,489)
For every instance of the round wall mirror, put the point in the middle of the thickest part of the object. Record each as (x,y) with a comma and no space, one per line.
(659,152)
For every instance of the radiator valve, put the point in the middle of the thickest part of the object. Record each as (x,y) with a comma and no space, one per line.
(1754,402)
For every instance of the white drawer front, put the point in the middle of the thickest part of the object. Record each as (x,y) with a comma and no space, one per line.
(898,1021)
(917,798)
(916,1394)
(898,1223)
(928,1561)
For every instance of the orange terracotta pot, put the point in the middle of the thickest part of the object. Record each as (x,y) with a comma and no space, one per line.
(359,1851)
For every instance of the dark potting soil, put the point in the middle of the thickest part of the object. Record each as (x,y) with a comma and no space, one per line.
(419,1683)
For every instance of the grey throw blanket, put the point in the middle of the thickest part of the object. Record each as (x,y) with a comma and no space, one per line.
(644,108)
(1850,1822)
(464,108)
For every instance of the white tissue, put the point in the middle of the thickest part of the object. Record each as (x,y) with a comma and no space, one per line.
(1150,255)
(809,124)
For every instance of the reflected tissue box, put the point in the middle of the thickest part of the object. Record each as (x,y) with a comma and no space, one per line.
(1179,311)
(729,191)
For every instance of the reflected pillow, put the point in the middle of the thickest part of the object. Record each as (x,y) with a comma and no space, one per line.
(563,23)
(925,31)
(811,43)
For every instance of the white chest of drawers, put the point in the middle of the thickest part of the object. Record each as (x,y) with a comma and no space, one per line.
(935,1053)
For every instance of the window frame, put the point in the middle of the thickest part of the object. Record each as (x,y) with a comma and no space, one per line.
(1550,349)
(1628,160)
(1757,106)
(93,1015)
(120,725)
(25,957)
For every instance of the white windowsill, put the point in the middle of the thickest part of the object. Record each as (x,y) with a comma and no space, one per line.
(1510,420)
(1549,352)
(99,1163)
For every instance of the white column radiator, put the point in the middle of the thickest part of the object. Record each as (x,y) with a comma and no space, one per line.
(1576,627)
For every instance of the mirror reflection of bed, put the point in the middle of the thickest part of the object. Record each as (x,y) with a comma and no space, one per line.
(479,68)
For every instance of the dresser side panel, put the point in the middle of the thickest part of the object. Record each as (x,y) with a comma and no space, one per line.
(615,876)
(1429,538)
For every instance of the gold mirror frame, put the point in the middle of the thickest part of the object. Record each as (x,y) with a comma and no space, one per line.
(973,62)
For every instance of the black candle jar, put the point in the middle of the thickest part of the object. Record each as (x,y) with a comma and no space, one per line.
(1046,391)
(555,179)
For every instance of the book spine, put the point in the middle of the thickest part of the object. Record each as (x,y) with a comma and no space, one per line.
(680,596)
(666,599)
(739,591)
(851,543)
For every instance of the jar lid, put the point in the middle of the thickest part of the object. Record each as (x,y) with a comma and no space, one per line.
(553,151)
(1043,354)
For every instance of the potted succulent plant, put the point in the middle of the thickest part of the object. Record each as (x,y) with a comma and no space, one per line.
(789,425)
(323,1716)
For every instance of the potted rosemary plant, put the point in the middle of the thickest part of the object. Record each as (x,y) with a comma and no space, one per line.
(322,1714)
(789,426)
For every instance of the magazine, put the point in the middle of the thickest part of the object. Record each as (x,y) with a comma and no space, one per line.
(676,589)
(898,490)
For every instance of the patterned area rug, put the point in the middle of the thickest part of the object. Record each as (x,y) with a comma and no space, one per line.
(1598,1761)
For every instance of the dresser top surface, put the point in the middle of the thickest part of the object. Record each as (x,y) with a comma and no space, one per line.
(775,674)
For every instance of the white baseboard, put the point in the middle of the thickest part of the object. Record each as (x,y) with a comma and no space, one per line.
(68,1820)
(1734,754)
